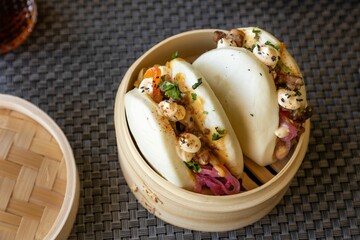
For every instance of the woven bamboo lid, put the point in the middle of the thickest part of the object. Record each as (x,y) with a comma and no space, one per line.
(38,177)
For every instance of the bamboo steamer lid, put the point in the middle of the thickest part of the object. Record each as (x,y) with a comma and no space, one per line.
(263,187)
(39,184)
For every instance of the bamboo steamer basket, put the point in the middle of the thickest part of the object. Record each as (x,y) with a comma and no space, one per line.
(264,187)
(39,185)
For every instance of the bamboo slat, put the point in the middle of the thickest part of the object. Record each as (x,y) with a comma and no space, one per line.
(47,219)
(10,219)
(32,177)
(9,170)
(47,173)
(248,183)
(4,226)
(7,234)
(27,228)
(24,157)
(261,173)
(25,136)
(24,184)
(6,140)
(6,188)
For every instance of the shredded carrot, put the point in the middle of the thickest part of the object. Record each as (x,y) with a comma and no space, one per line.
(155,74)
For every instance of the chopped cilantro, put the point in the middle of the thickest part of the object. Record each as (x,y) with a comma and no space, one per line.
(193,96)
(171,89)
(220,131)
(175,55)
(220,134)
(195,167)
(216,137)
(283,67)
(270,44)
(257,34)
(198,83)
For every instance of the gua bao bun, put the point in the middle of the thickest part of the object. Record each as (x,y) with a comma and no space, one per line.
(155,139)
(182,130)
(247,92)
(245,72)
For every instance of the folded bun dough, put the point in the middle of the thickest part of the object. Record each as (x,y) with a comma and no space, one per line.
(210,115)
(247,92)
(156,139)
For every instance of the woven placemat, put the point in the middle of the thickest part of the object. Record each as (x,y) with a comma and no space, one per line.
(72,65)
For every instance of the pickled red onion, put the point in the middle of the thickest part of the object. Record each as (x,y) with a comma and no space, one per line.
(210,178)
(286,141)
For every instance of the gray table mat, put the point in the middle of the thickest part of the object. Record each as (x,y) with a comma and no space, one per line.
(73,63)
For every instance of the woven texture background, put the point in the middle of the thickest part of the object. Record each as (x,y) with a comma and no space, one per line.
(73,63)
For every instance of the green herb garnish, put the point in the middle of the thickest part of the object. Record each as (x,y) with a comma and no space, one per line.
(195,167)
(215,137)
(175,55)
(257,34)
(220,131)
(220,134)
(193,96)
(270,44)
(205,112)
(199,82)
(171,89)
(283,67)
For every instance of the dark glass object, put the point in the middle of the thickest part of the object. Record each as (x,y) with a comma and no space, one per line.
(17,20)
